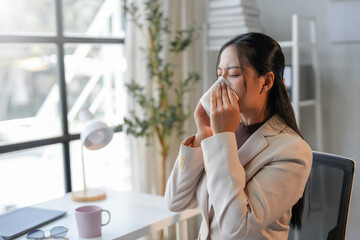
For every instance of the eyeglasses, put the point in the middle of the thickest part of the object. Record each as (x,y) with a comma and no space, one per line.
(56,233)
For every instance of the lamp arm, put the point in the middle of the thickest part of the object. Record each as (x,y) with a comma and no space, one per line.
(83,167)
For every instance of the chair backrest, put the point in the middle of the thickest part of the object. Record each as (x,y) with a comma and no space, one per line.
(327,198)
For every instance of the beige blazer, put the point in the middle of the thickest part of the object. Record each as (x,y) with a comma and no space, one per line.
(251,191)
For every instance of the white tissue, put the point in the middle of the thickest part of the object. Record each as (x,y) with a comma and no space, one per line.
(205,99)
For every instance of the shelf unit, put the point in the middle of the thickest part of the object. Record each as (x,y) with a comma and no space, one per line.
(295,45)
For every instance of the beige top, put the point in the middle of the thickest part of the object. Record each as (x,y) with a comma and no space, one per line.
(251,190)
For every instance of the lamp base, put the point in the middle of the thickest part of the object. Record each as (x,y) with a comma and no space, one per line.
(92,194)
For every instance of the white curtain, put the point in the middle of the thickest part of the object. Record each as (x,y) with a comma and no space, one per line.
(146,170)
(146,165)
(143,159)
(185,14)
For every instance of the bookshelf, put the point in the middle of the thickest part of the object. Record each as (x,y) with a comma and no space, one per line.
(295,45)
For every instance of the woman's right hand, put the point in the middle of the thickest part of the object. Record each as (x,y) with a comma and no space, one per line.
(202,121)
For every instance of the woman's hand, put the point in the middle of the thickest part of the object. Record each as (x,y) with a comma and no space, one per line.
(202,121)
(224,110)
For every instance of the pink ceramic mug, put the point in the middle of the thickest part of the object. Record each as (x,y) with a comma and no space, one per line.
(89,220)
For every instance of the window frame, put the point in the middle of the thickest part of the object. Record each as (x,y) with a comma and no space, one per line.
(59,40)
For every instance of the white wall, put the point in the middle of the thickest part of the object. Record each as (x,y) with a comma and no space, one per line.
(340,83)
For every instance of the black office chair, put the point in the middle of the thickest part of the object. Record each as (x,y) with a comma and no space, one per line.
(327,199)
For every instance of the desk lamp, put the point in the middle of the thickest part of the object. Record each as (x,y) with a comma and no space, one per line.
(95,135)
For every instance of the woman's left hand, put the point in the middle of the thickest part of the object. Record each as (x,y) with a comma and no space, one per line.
(224,110)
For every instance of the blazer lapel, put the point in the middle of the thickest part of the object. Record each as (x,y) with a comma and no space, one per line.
(257,141)
(252,147)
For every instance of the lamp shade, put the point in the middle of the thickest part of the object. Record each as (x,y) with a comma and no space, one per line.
(96,134)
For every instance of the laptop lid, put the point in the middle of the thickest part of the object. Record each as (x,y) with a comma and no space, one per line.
(20,221)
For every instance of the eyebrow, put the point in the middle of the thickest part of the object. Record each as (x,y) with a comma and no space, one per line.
(231,67)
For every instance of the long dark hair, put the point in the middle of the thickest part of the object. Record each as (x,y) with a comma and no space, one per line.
(264,54)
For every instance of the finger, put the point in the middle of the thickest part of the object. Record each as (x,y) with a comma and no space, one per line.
(224,92)
(212,102)
(219,96)
(232,96)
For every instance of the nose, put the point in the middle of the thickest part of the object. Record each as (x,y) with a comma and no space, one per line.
(224,74)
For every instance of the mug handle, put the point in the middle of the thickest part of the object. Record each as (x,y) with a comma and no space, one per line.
(103,224)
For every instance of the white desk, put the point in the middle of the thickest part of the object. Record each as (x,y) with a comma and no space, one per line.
(133,215)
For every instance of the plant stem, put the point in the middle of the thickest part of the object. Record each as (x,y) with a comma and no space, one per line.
(164,153)
(163,172)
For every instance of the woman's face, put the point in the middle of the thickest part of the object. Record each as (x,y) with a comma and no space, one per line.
(250,98)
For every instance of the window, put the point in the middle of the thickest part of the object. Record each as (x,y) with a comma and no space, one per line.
(56,57)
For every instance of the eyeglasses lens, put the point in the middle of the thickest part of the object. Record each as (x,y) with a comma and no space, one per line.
(58,232)
(36,234)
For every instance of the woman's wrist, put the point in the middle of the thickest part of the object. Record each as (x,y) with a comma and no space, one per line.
(199,136)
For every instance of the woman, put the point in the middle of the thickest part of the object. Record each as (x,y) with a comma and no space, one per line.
(247,165)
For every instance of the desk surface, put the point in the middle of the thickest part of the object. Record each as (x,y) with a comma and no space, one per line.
(133,214)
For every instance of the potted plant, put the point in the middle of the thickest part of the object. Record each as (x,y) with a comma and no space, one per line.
(163,111)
